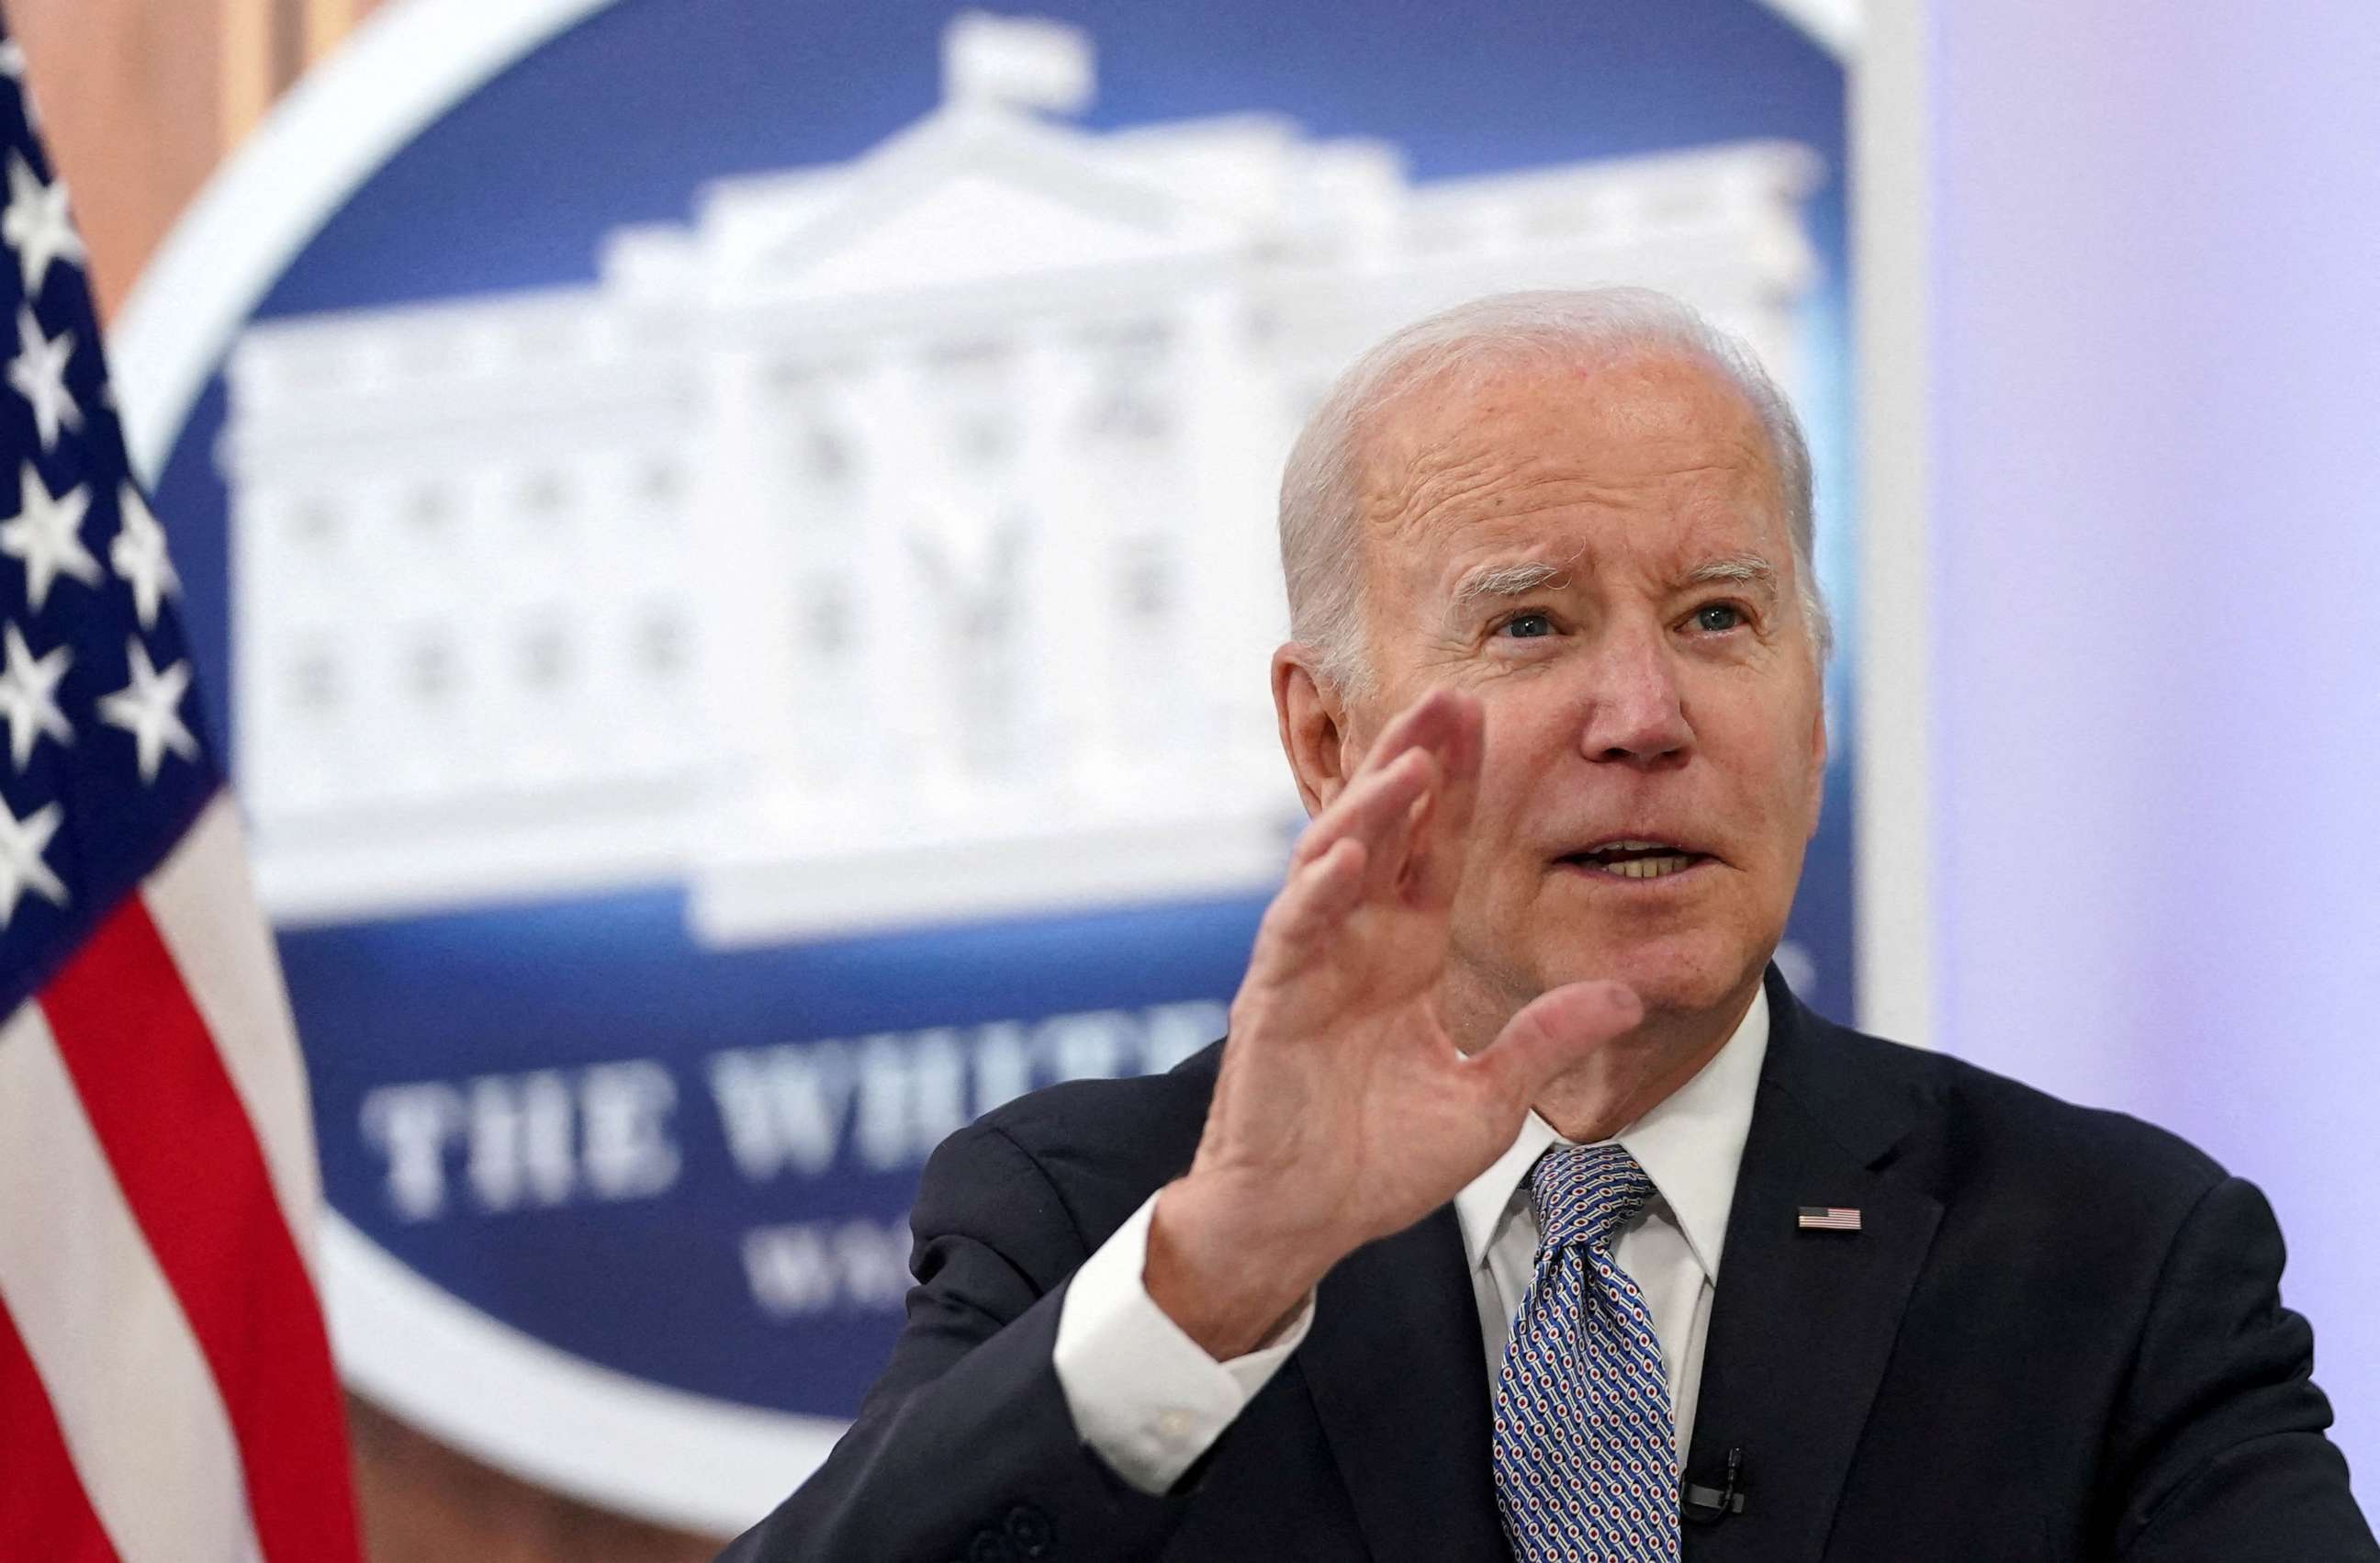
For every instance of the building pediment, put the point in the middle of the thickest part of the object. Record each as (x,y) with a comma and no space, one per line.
(967,197)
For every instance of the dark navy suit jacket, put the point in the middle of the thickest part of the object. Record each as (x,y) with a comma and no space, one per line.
(2058,1336)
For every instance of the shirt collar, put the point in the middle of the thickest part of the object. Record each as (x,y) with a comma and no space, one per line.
(1689,1145)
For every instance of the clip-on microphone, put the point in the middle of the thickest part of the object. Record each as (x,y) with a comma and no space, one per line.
(1707,1506)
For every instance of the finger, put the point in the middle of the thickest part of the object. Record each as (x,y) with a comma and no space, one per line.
(1422,724)
(1312,904)
(1555,1033)
(1374,807)
(1391,845)
(1443,722)
(1442,834)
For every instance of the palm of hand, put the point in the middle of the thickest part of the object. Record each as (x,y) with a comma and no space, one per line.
(1343,1104)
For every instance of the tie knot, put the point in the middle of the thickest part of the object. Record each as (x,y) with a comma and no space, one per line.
(1584,1194)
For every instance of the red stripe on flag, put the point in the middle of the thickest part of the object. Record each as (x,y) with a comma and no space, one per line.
(181,1145)
(44,1512)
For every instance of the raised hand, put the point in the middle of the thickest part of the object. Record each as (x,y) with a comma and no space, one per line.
(1345,1111)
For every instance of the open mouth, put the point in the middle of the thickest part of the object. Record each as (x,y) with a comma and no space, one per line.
(1635,859)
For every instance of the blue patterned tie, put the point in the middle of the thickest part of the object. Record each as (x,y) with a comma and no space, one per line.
(1586,1463)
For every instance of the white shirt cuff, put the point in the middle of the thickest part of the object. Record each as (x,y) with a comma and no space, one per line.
(1143,1394)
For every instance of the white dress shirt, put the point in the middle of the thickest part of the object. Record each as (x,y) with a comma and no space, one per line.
(1151,1400)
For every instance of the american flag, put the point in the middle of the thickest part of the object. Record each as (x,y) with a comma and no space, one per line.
(166,1383)
(1826,1218)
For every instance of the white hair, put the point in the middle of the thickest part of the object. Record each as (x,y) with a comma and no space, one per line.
(1320,487)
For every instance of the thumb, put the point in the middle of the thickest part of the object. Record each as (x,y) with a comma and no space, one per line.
(1555,1033)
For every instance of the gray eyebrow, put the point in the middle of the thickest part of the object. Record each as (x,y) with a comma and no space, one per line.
(1519,581)
(1736,569)
(1505,580)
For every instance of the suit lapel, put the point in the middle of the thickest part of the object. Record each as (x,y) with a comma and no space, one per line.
(1398,1377)
(1803,1321)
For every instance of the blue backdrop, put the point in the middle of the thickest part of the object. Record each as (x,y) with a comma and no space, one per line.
(620,119)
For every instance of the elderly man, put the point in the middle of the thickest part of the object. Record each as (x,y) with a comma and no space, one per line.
(1525,1213)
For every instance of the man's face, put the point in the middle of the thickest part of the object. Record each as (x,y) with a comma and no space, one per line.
(1601,556)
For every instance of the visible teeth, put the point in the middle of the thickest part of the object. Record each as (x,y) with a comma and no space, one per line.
(1648,868)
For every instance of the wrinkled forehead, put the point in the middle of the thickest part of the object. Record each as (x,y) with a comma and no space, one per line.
(1493,443)
(1622,421)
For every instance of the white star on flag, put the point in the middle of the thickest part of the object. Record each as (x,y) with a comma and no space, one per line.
(35,224)
(138,555)
(47,534)
(22,842)
(39,373)
(148,709)
(29,697)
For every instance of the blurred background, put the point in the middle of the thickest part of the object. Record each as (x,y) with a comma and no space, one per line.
(729,549)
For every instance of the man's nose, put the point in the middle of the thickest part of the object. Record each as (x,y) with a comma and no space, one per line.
(1635,710)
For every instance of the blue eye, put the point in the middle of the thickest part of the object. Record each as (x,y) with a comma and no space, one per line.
(1528,626)
(1717,618)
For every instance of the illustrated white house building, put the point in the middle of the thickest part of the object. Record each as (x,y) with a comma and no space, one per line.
(891,542)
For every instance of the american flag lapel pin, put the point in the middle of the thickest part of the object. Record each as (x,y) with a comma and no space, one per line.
(1826,1218)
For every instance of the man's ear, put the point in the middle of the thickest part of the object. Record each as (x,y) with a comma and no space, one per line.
(1818,764)
(1312,720)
